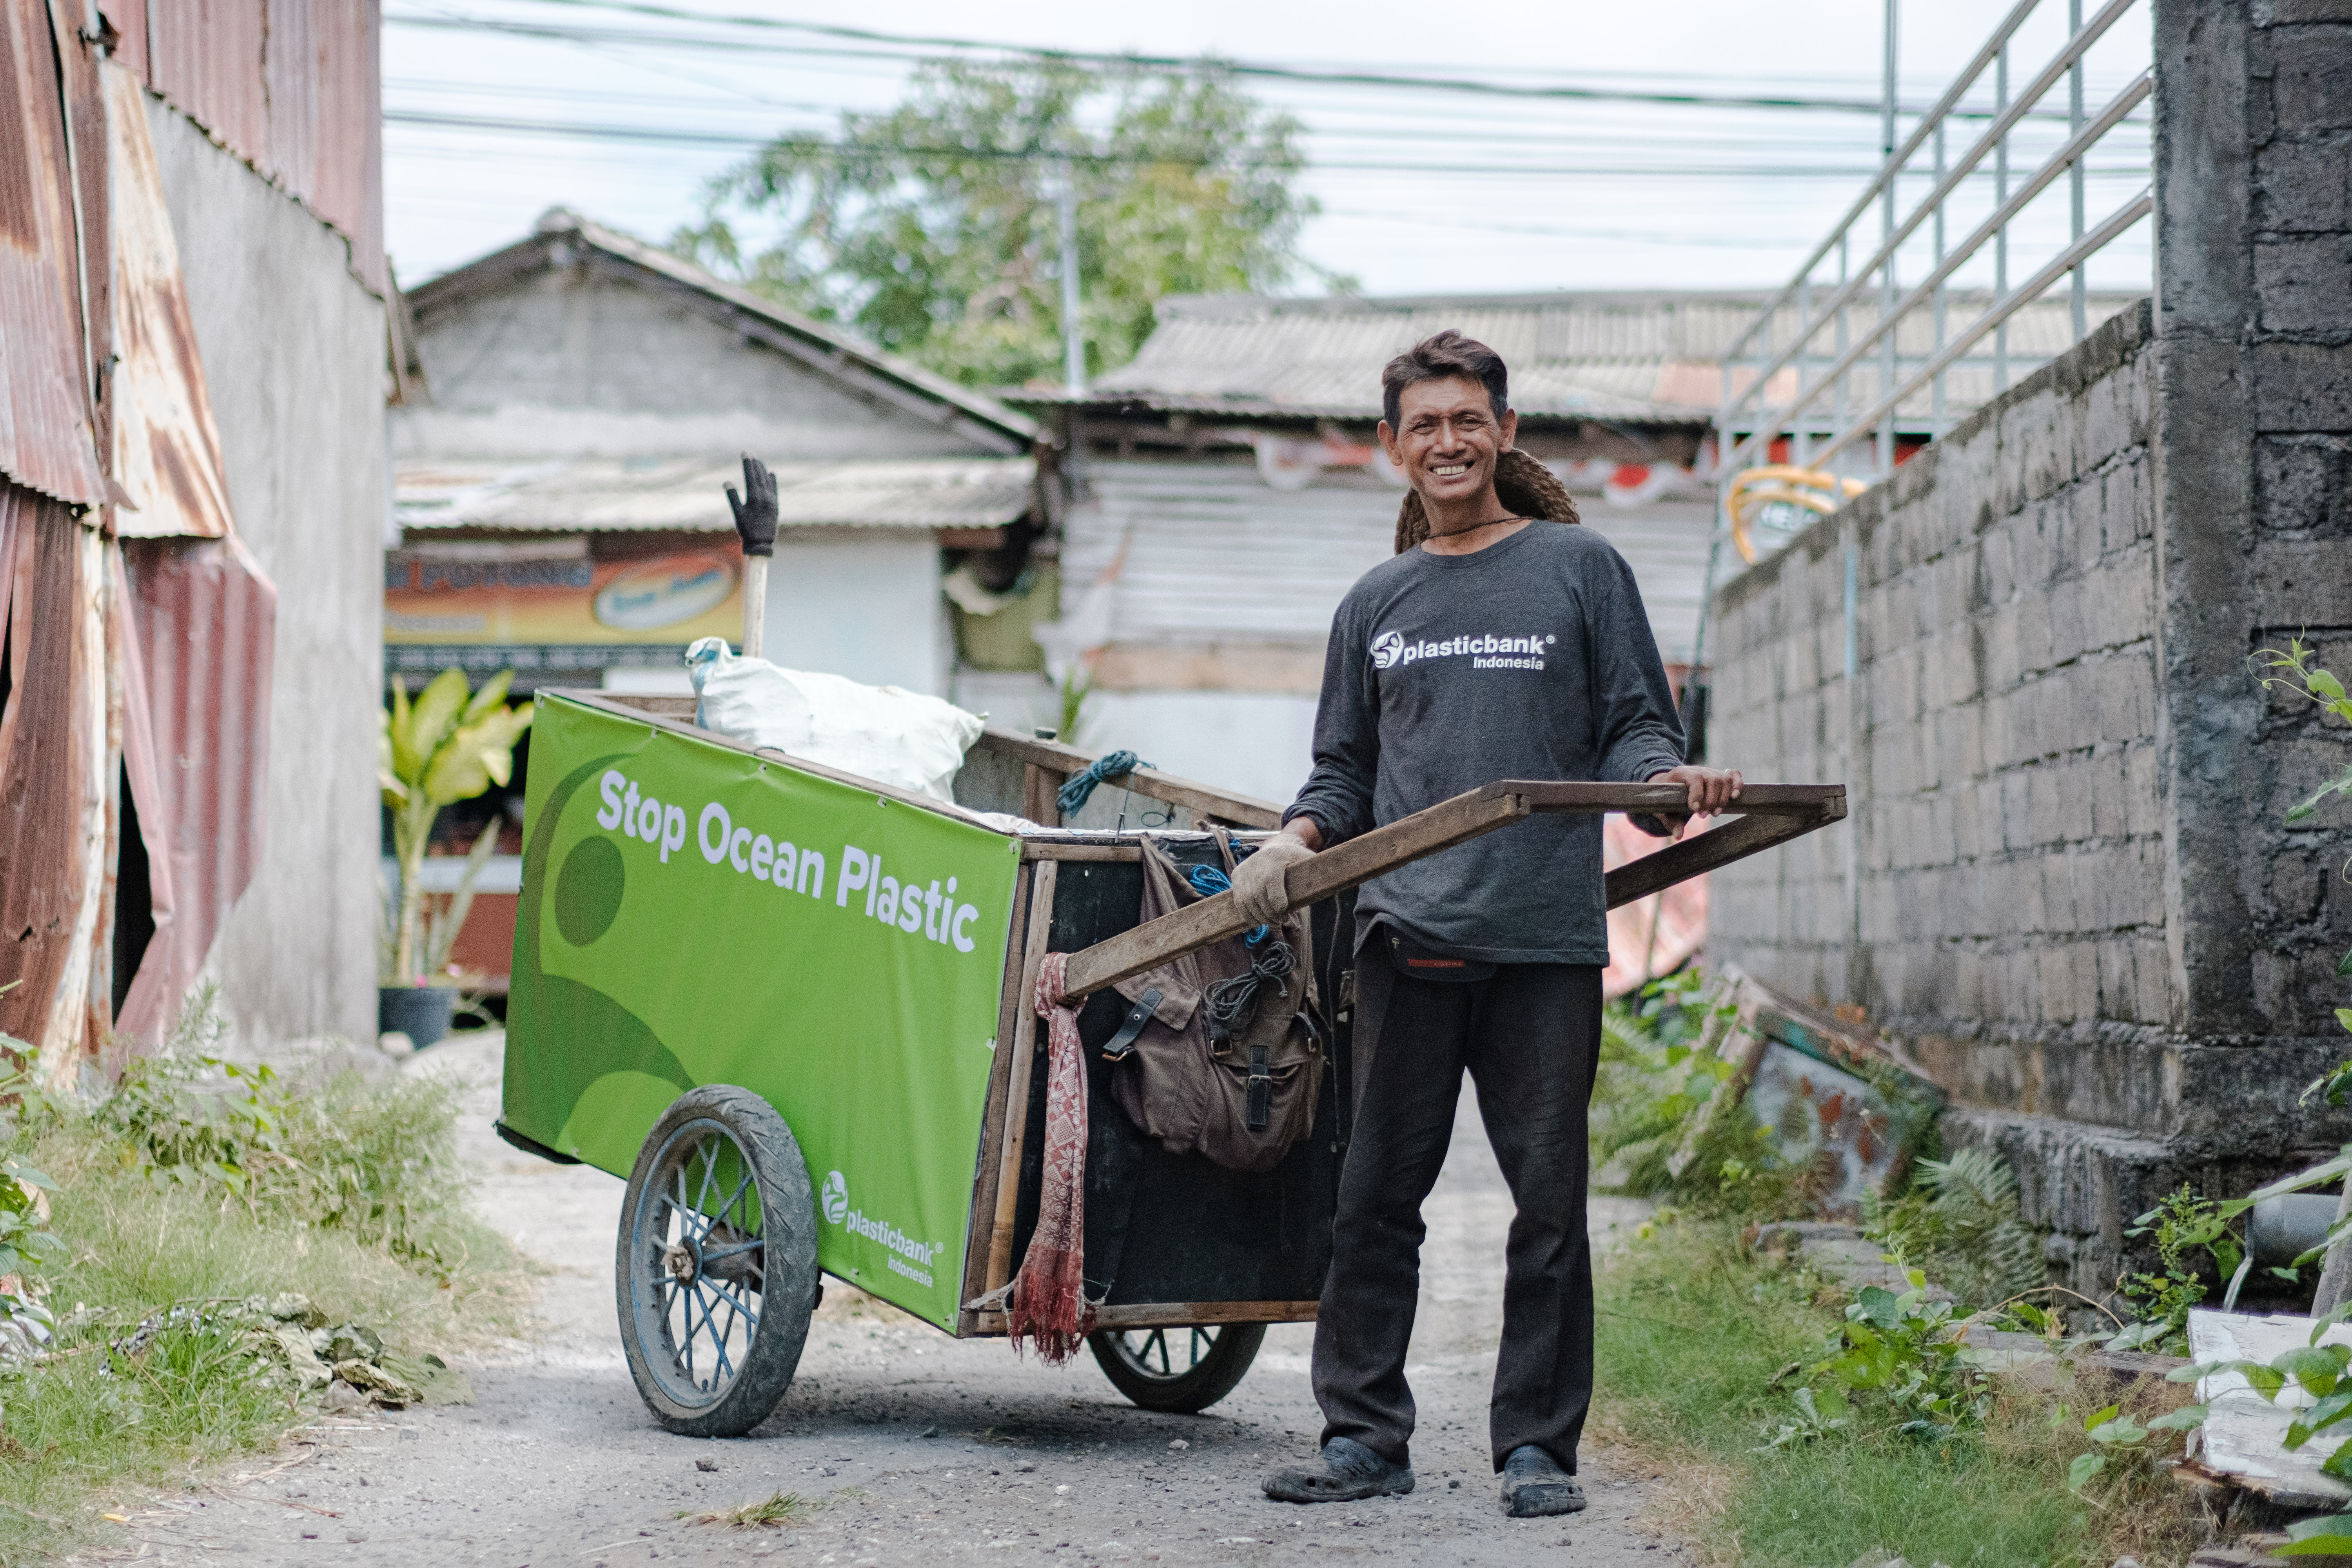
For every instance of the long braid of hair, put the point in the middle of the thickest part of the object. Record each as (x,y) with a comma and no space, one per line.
(1522,484)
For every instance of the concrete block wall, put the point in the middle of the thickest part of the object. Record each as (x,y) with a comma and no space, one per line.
(2073,896)
(2008,834)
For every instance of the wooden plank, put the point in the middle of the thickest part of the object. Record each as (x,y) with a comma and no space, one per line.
(1016,1099)
(1055,849)
(980,1224)
(1717,847)
(1671,799)
(1174,1315)
(1053,757)
(666,706)
(1344,866)
(1038,787)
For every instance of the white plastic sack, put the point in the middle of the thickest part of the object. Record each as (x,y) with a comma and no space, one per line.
(886,733)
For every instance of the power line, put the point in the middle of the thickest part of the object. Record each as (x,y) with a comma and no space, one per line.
(690,137)
(898,45)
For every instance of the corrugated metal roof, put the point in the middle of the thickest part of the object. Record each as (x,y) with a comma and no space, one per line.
(1211,555)
(1638,357)
(202,621)
(290,86)
(46,441)
(167,456)
(596,495)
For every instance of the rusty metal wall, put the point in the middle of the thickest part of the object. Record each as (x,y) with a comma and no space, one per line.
(202,635)
(47,441)
(294,88)
(46,746)
(165,455)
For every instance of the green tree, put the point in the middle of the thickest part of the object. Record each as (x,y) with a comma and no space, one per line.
(935,229)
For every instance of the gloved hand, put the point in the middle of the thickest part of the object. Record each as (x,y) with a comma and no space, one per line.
(1259,880)
(755,519)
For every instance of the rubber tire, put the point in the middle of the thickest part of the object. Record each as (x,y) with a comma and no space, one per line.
(1227,1363)
(787,1200)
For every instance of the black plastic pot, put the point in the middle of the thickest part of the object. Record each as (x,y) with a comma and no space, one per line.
(420,1011)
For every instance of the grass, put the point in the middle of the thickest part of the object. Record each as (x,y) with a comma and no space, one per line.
(357,1205)
(773,1511)
(1689,1338)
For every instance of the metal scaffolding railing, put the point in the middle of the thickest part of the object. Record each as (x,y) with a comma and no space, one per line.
(1803,387)
(1818,387)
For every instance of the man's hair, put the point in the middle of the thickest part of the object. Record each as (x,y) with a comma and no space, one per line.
(1445,357)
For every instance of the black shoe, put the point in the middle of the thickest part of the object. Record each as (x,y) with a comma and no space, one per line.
(1346,1472)
(1534,1486)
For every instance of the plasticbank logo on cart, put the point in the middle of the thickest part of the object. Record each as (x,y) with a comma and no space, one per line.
(908,1257)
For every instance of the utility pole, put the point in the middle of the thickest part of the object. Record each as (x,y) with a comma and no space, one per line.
(1074,334)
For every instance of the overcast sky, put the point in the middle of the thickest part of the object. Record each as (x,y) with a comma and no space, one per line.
(1612,195)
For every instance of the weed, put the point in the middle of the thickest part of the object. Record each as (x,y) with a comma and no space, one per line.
(198,1187)
(1705,1405)
(2183,1225)
(1661,1129)
(1960,1224)
(776,1509)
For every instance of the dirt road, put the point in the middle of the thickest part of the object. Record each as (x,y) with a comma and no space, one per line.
(906,1446)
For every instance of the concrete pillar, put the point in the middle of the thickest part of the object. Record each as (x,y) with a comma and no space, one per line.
(2253,422)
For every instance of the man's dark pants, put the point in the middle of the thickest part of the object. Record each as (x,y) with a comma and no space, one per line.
(1529,1036)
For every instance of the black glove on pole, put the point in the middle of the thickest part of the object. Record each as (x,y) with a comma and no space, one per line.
(755,524)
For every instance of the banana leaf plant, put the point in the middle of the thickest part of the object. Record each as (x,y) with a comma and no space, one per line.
(449,745)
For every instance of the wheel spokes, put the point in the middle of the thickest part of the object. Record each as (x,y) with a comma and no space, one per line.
(718,1306)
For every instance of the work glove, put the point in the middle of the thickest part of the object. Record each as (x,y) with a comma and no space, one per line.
(755,518)
(1259,880)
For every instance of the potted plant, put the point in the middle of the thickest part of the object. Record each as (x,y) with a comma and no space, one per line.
(450,745)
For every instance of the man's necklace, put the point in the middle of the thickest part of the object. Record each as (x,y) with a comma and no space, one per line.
(1491,522)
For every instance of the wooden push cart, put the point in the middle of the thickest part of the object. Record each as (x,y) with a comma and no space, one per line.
(718,996)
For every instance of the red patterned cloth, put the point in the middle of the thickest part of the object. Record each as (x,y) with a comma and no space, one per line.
(1047,1303)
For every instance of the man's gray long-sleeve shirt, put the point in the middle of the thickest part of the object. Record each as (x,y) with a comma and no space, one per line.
(1529,659)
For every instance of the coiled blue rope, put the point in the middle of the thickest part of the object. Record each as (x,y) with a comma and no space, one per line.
(1073,797)
(1209,881)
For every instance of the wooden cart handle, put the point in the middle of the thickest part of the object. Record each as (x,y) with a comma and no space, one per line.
(1768,815)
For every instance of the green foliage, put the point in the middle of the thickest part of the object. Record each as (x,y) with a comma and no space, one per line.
(378,1163)
(1662,1126)
(1960,1223)
(1690,1335)
(1908,1350)
(2294,670)
(935,228)
(2184,1225)
(450,745)
(190,1187)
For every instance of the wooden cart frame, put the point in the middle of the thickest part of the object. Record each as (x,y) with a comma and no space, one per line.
(1007,771)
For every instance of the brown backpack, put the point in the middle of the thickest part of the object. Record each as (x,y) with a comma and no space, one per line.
(1237,1084)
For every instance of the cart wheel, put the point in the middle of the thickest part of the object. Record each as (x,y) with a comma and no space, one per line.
(1184,1370)
(715,1275)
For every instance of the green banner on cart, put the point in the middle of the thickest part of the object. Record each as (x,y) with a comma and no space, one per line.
(694,915)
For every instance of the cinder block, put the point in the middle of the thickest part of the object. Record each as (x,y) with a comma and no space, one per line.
(2114,412)
(2305,185)
(2143,795)
(2034,644)
(2302,386)
(2311,89)
(2118,985)
(2304,284)
(2152,969)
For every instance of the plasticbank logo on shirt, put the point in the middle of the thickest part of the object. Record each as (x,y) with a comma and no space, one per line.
(1484,650)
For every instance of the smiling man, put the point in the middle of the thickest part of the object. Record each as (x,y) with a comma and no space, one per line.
(1500,647)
